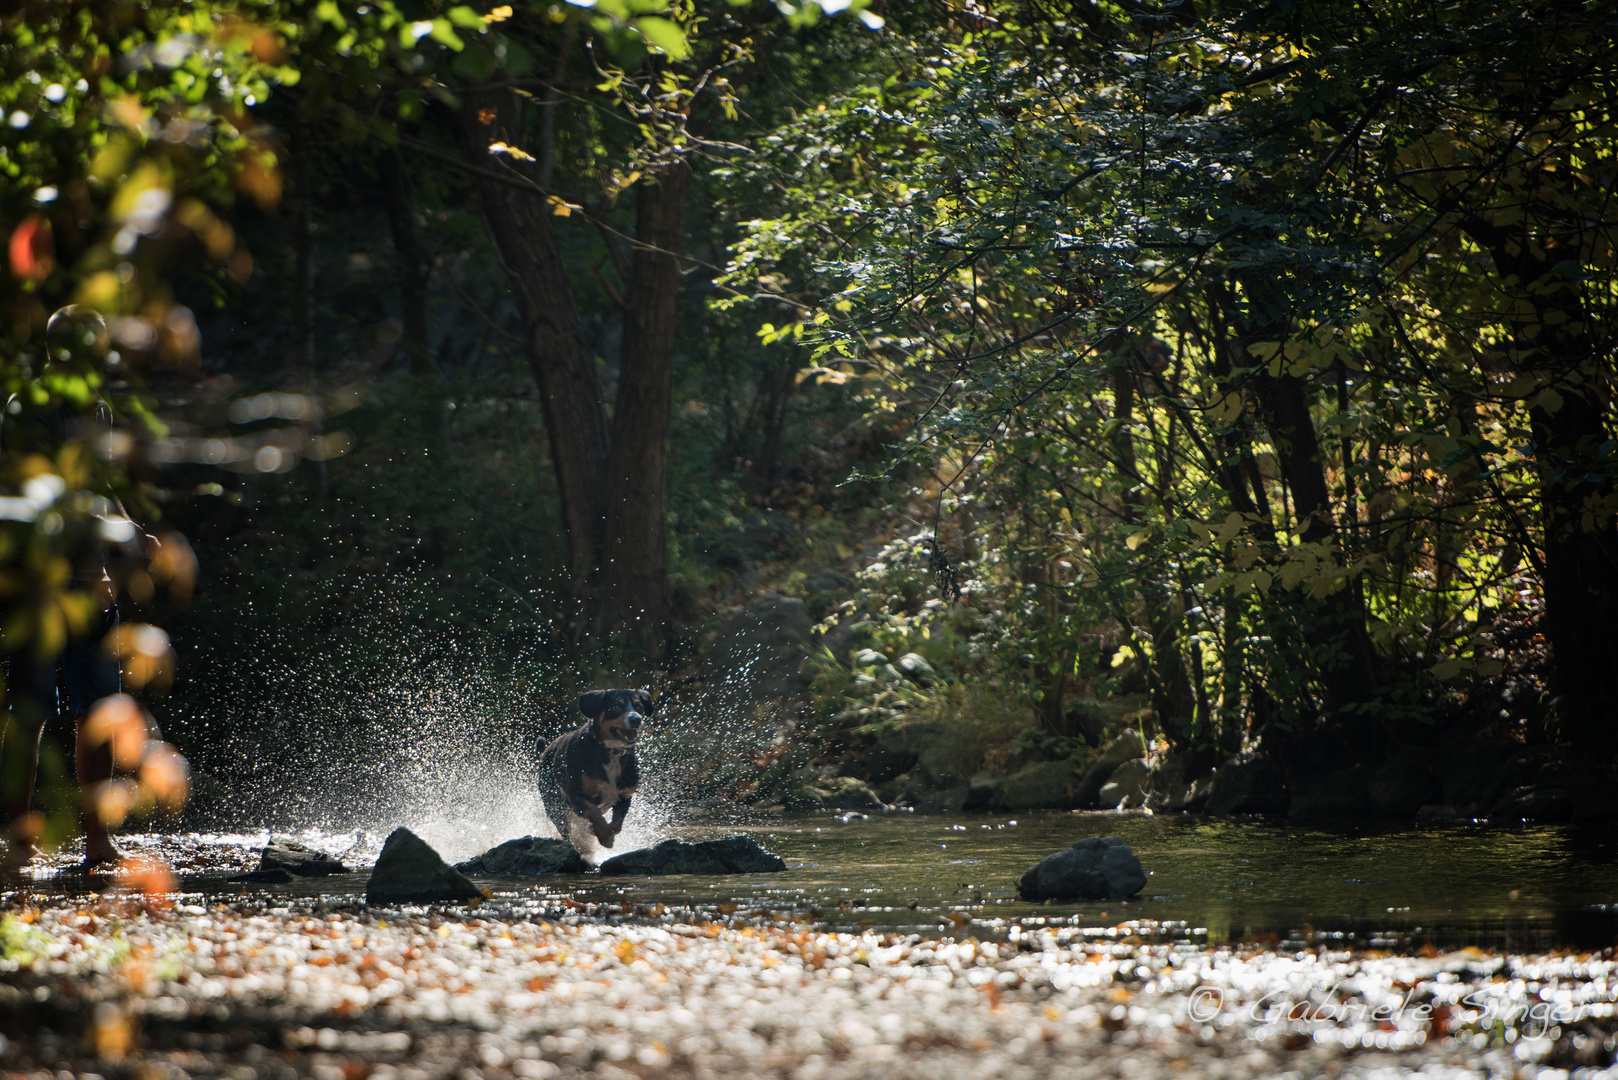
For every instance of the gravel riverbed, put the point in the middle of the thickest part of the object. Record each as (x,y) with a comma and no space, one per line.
(169,986)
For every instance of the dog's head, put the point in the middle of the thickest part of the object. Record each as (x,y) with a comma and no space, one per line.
(616,715)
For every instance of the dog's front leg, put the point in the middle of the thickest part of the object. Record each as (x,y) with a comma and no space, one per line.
(589,811)
(619,812)
(605,833)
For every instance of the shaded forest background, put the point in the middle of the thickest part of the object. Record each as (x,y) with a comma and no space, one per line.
(1225,388)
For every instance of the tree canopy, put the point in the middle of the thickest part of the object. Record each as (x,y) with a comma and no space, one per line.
(1256,358)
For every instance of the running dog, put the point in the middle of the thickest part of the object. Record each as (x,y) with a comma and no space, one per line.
(591,771)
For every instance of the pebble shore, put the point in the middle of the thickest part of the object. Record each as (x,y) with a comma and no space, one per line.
(169,987)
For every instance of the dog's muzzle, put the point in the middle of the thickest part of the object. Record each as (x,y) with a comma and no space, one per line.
(633,719)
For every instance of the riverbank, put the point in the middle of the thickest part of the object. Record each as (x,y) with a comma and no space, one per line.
(125,986)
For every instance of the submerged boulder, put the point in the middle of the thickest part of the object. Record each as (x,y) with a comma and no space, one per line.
(409,871)
(1095,868)
(297,859)
(528,856)
(731,855)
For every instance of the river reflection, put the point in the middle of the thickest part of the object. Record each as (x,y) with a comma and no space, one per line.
(1373,884)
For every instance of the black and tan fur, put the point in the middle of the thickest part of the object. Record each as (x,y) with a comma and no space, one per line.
(591,772)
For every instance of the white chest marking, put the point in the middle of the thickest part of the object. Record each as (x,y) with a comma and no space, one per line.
(607,798)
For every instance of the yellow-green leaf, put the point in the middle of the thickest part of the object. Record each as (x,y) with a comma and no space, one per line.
(663,35)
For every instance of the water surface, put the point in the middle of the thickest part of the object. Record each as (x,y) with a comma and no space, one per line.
(1372,885)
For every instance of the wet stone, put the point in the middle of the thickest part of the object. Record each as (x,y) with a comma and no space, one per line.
(298,860)
(1095,868)
(409,871)
(731,855)
(527,856)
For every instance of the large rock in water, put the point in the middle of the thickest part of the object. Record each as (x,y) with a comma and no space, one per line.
(409,871)
(1095,868)
(528,856)
(732,855)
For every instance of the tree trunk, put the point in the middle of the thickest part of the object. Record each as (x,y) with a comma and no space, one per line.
(412,273)
(1554,341)
(303,297)
(635,593)
(519,223)
(1581,567)
(780,384)
(1334,625)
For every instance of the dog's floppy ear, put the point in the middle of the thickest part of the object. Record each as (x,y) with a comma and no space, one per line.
(594,703)
(643,701)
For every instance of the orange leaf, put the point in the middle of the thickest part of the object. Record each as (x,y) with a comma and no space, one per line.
(33,254)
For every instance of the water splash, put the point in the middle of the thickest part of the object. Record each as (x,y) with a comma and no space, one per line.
(387,725)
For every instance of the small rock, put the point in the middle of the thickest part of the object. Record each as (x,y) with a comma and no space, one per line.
(409,871)
(850,818)
(297,859)
(528,856)
(869,658)
(732,855)
(1095,868)
(915,667)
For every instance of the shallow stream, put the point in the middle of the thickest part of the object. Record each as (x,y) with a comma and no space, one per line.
(1367,885)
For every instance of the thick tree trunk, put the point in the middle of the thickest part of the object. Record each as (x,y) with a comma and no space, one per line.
(519,223)
(1554,341)
(1581,567)
(635,571)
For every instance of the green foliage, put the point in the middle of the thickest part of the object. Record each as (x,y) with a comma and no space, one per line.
(1203,342)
